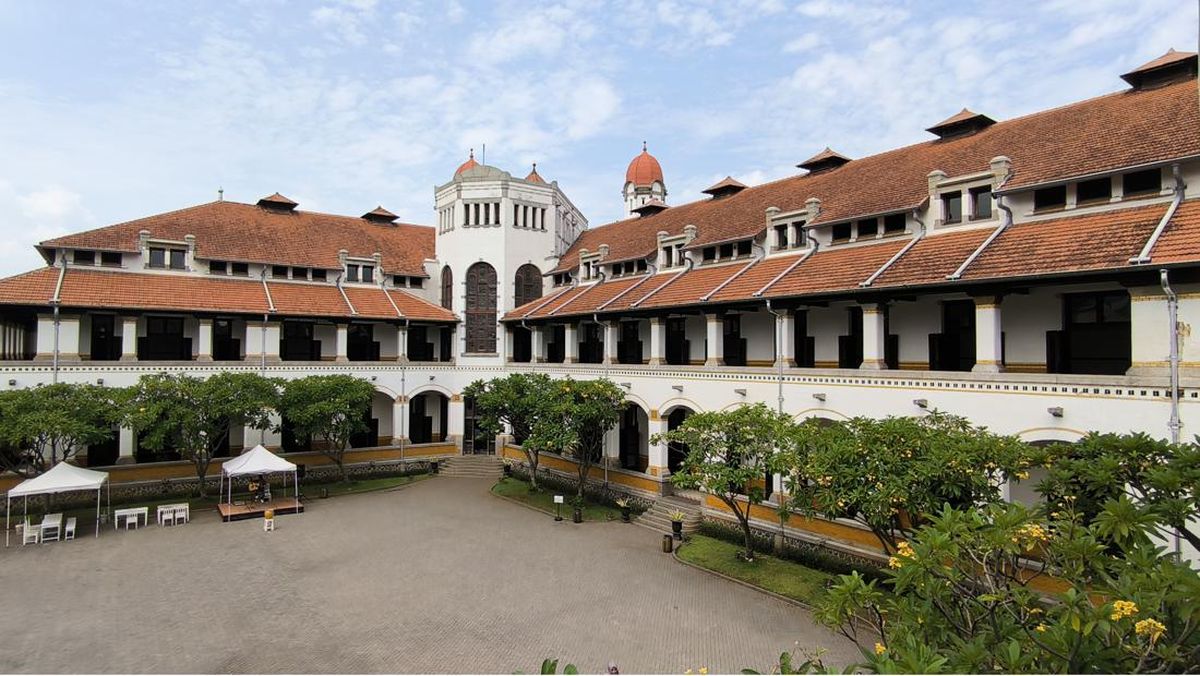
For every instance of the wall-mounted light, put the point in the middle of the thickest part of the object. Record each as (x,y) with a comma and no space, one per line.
(12,382)
(626,385)
(374,378)
(677,388)
(741,391)
(1055,411)
(819,396)
(99,381)
(921,403)
(431,378)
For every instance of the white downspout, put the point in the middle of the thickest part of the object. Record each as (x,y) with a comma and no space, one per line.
(1173,423)
(56,301)
(1005,221)
(1179,189)
(607,348)
(778,350)
(899,254)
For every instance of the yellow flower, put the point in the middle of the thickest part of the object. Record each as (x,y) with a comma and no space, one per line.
(1022,475)
(893,562)
(1149,627)
(1040,627)
(687,673)
(703,671)
(1123,609)
(880,649)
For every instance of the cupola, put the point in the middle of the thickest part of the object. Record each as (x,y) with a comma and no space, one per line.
(277,202)
(1170,67)
(724,188)
(644,184)
(533,176)
(644,169)
(650,208)
(824,161)
(960,124)
(469,164)
(380,215)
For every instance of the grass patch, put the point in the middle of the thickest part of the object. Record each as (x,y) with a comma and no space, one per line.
(776,575)
(516,489)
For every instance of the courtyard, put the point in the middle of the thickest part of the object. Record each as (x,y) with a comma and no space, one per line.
(439,576)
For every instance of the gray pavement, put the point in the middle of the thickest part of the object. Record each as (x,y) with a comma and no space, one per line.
(436,577)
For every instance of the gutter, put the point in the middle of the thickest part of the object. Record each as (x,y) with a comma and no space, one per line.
(778,350)
(753,261)
(795,264)
(899,254)
(690,264)
(55,302)
(1180,187)
(1173,423)
(1005,221)
(346,298)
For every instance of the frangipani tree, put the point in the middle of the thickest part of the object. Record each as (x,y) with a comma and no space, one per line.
(518,401)
(46,424)
(333,407)
(577,415)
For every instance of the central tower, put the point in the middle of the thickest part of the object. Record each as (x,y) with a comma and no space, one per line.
(643,182)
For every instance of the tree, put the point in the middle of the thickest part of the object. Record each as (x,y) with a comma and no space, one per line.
(965,596)
(46,424)
(577,415)
(333,407)
(729,452)
(1163,479)
(517,401)
(888,474)
(195,416)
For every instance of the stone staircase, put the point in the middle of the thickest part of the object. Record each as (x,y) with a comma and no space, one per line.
(658,517)
(472,467)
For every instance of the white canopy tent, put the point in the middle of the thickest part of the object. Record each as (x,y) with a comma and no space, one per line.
(62,478)
(257,460)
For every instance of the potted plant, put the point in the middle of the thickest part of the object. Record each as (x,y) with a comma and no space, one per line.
(577,512)
(677,524)
(623,503)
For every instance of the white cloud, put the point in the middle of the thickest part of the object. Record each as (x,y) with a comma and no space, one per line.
(803,43)
(593,104)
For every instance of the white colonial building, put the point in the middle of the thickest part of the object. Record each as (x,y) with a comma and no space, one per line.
(1039,275)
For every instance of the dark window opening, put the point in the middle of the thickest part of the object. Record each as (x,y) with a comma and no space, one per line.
(781,236)
(476,439)
(841,232)
(419,346)
(733,342)
(952,207)
(178,257)
(710,253)
(217,267)
(1050,198)
(641,265)
(726,250)
(1096,338)
(522,345)
(416,282)
(591,345)
(805,346)
(225,346)
(318,275)
(743,248)
(447,288)
(85,257)
(351,273)
(629,345)
(299,273)
(361,344)
(527,285)
(110,258)
(868,227)
(239,269)
(679,348)
(1097,190)
(954,348)
(164,340)
(106,344)
(368,274)
(279,271)
(981,203)
(1138,183)
(894,223)
(158,257)
(850,346)
(297,342)
(481,308)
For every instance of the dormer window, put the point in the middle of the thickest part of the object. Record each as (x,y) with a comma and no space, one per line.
(868,227)
(562,279)
(279,271)
(841,232)
(358,272)
(217,267)
(300,273)
(952,207)
(318,275)
(84,257)
(1094,191)
(781,236)
(239,269)
(672,255)
(981,202)
(894,223)
(1142,183)
(110,259)
(163,258)
(1049,199)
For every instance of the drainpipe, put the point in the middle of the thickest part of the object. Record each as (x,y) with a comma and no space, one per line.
(778,349)
(899,254)
(1173,423)
(56,301)
(607,347)
(1180,187)
(1005,221)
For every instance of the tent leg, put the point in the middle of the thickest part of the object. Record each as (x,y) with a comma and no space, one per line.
(97,512)
(7,518)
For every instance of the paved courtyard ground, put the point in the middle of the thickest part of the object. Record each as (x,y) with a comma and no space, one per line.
(437,577)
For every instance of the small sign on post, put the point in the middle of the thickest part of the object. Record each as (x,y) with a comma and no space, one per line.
(558,500)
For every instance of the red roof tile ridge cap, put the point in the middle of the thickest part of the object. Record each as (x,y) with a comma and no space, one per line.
(662,286)
(645,278)
(51,241)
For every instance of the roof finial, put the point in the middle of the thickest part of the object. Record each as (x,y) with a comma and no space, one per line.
(220,194)
(643,146)
(472,153)
(535,167)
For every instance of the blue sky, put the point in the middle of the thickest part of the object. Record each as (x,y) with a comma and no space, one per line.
(115,110)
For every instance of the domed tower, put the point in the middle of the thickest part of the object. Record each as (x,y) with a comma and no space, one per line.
(643,182)
(497,235)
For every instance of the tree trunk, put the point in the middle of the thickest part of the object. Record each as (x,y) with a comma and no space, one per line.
(746,534)
(533,467)
(341,465)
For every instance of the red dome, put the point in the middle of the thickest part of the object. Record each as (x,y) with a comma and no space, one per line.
(644,169)
(468,164)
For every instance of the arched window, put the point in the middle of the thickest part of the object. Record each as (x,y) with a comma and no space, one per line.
(527,286)
(481,308)
(447,288)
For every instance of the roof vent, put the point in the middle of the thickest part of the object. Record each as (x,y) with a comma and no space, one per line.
(277,202)
(380,215)
(1170,67)
(650,208)
(823,161)
(724,188)
(960,124)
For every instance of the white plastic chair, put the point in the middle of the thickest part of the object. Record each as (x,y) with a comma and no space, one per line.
(181,515)
(167,518)
(69,532)
(131,522)
(29,533)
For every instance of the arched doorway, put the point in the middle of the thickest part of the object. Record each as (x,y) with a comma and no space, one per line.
(428,413)
(378,419)
(447,287)
(481,308)
(633,439)
(476,440)
(676,452)
(527,285)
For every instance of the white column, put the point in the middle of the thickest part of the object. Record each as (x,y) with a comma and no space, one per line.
(341,343)
(45,337)
(68,337)
(262,337)
(715,333)
(571,349)
(129,330)
(455,427)
(272,437)
(204,340)
(537,346)
(873,337)
(658,342)
(785,337)
(611,334)
(657,464)
(401,345)
(126,442)
(988,343)
(506,333)
(400,421)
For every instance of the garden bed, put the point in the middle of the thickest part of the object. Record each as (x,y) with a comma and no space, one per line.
(787,579)
(515,489)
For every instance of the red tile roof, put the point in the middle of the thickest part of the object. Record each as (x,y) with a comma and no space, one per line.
(1180,242)
(1128,128)
(931,259)
(121,290)
(245,232)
